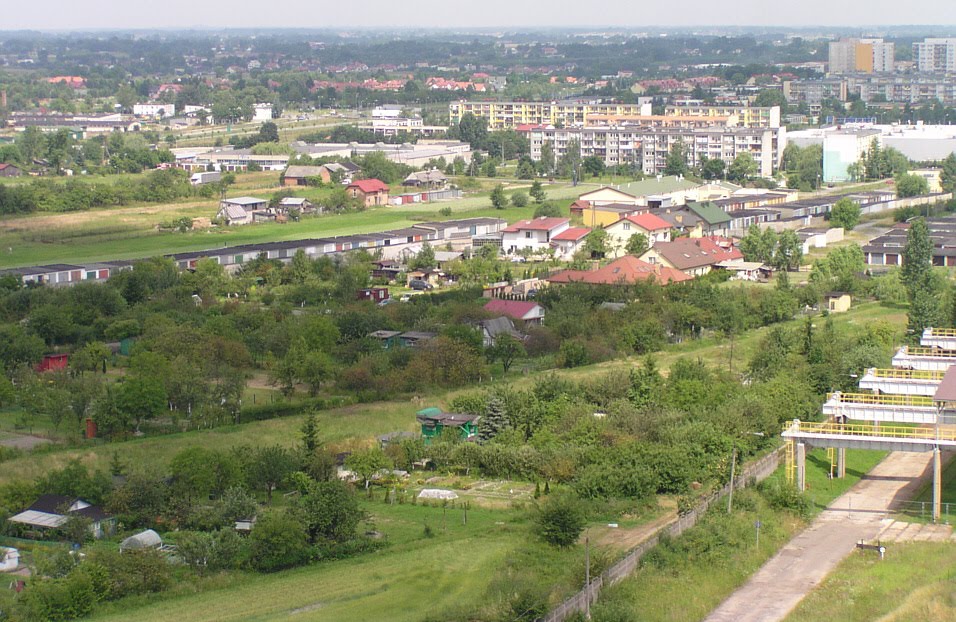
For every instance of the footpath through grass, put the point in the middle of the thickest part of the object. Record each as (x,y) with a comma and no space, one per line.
(687,578)
(916,581)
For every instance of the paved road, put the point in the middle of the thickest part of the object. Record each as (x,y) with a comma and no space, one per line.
(774,590)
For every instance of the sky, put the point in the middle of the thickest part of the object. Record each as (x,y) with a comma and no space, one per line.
(126,14)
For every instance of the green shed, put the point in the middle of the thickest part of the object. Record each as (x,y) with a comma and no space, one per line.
(434,422)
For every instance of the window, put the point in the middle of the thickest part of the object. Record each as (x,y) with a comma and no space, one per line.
(527,235)
(627,226)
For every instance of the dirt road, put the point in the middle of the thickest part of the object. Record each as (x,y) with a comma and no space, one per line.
(782,582)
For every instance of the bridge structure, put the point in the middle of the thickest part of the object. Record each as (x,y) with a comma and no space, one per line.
(911,407)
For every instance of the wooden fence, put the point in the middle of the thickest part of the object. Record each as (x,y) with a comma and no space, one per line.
(752,473)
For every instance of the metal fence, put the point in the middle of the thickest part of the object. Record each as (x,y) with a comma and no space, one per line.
(923,510)
(755,472)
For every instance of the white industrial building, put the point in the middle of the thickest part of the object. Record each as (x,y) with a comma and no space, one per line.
(843,145)
(154,110)
(262,112)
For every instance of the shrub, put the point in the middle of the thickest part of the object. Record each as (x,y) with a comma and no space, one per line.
(782,496)
(519,199)
(560,520)
(278,541)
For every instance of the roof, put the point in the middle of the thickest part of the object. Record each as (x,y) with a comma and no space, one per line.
(450,420)
(572,235)
(245,201)
(499,326)
(537,224)
(709,212)
(625,270)
(515,309)
(142,540)
(424,177)
(5,165)
(303,171)
(369,186)
(687,253)
(648,221)
(947,386)
(293,201)
(52,511)
(662,185)
(234,212)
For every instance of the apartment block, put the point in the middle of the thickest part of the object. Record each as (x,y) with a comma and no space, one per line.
(509,115)
(935,55)
(648,147)
(746,116)
(861,56)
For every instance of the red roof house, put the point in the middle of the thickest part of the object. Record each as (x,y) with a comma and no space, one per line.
(625,270)
(524,310)
(370,191)
(569,241)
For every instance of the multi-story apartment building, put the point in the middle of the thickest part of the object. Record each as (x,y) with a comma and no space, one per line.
(935,55)
(813,92)
(648,147)
(508,115)
(746,116)
(862,56)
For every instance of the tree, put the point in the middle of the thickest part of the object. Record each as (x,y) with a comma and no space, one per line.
(425,258)
(637,245)
(278,541)
(570,163)
(560,520)
(310,433)
(948,174)
(547,160)
(367,463)
(771,97)
(712,168)
(911,186)
(596,243)
(593,166)
(917,256)
(519,199)
(789,251)
(494,420)
(498,198)
(845,213)
(269,467)
(742,168)
(473,130)
(142,397)
(206,551)
(537,192)
(505,348)
(547,210)
(676,162)
(329,511)
(269,132)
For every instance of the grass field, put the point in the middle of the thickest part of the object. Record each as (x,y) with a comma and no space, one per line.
(130,232)
(415,576)
(915,582)
(690,590)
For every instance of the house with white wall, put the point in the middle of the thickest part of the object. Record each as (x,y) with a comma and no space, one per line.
(533,235)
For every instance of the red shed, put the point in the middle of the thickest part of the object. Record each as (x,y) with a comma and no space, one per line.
(53,362)
(375,294)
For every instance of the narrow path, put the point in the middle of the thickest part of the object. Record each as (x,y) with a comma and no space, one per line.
(774,590)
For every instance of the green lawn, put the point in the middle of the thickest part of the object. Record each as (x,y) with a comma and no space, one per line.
(916,581)
(129,233)
(414,577)
(343,427)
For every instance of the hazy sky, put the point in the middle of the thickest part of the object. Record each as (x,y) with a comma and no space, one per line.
(109,14)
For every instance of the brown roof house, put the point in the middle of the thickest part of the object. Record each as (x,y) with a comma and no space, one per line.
(53,511)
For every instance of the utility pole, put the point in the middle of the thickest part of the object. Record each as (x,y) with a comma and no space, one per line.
(587,577)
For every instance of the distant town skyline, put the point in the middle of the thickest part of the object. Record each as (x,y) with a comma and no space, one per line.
(112,14)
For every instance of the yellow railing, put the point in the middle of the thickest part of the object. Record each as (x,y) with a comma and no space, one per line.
(945,433)
(907,374)
(924,351)
(882,400)
(942,332)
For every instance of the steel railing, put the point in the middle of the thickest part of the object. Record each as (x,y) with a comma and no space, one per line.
(947,433)
(871,399)
(906,374)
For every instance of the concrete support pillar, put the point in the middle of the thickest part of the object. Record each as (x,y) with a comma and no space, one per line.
(841,462)
(937,485)
(801,467)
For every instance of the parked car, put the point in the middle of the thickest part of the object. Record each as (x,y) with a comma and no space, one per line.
(420,285)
